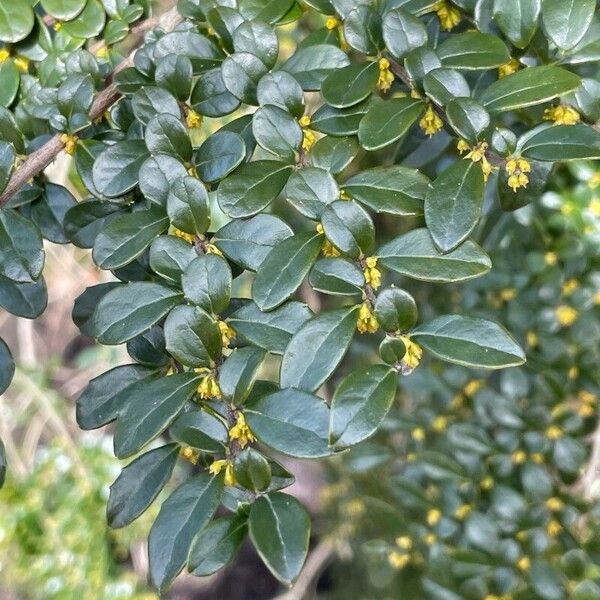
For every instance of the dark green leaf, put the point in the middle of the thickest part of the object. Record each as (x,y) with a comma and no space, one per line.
(277,131)
(166,134)
(207,283)
(563,142)
(348,227)
(350,85)
(403,32)
(517,19)
(336,276)
(238,372)
(200,430)
(310,65)
(566,21)
(7,365)
(473,50)
(218,155)
(310,190)
(27,300)
(187,205)
(21,250)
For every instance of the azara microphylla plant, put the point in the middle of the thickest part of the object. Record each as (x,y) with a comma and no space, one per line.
(261,176)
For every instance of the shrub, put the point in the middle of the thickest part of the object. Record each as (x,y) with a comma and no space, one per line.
(259,205)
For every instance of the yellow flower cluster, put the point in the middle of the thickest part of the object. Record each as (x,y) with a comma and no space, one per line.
(594,181)
(372,273)
(550,258)
(439,424)
(70,143)
(566,315)
(212,249)
(208,387)
(227,333)
(308,137)
(448,15)
(193,119)
(462,146)
(102,52)
(190,454)
(331,23)
(386,77)
(562,115)
(22,63)
(398,560)
(188,237)
(553,528)
(508,68)
(327,248)
(524,563)
(218,465)
(554,432)
(241,432)
(517,169)
(477,154)
(414,353)
(570,286)
(366,322)
(4,55)
(463,511)
(554,504)
(431,122)
(433,517)
(518,457)
(587,402)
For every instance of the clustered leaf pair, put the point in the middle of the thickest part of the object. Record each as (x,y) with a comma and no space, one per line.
(222,197)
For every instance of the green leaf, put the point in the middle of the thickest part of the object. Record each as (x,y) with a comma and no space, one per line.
(386,122)
(217,544)
(280,531)
(150,101)
(517,19)
(166,134)
(310,65)
(563,142)
(284,268)
(139,483)
(269,11)
(252,470)
(48,213)
(310,190)
(443,85)
(333,154)
(10,78)
(85,305)
(27,300)
(21,250)
(469,342)
(200,430)
(174,73)
(131,309)
(192,336)
(169,257)
(468,118)
(359,405)
(277,131)
(395,190)
(102,399)
(207,283)
(528,87)
(272,330)
(281,89)
(125,236)
(252,187)
(362,30)
(259,39)
(63,9)
(7,163)
(292,422)
(182,516)
(247,242)
(238,372)
(210,97)
(473,50)
(16,21)
(350,85)
(241,72)
(151,407)
(413,254)
(199,49)
(340,121)
(187,205)
(116,170)
(349,228)
(336,276)
(453,204)
(148,348)
(219,155)
(156,176)
(317,348)
(396,310)
(7,367)
(402,32)
(566,21)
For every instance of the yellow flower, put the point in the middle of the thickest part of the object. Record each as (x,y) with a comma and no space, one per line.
(418,434)
(567,208)
(344,195)
(448,15)
(566,315)
(208,387)
(4,55)
(554,432)
(217,466)
(554,504)
(570,286)
(227,333)
(573,373)
(70,143)
(586,397)
(190,454)
(537,458)
(508,68)
(331,23)
(518,457)
(372,273)
(508,294)
(585,410)
(241,432)
(411,359)
(433,517)
(477,154)
(439,424)
(550,258)
(462,146)
(386,77)
(366,322)
(354,508)
(212,249)
(58,26)
(594,206)
(594,181)
(596,298)
(562,115)
(472,387)
(517,168)
(430,539)
(309,138)
(188,237)
(524,564)
(532,339)
(431,122)
(22,63)
(102,52)
(193,119)
(404,542)
(553,528)
(462,511)
(487,483)
(398,560)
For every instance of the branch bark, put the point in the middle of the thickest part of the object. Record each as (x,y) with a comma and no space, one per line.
(37,161)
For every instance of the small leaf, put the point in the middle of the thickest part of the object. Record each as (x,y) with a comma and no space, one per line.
(473,50)
(403,32)
(238,372)
(7,368)
(563,142)
(21,250)
(350,85)
(207,283)
(566,21)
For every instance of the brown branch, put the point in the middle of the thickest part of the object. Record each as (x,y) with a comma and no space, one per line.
(37,161)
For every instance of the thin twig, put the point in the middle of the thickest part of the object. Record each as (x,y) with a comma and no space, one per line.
(37,161)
